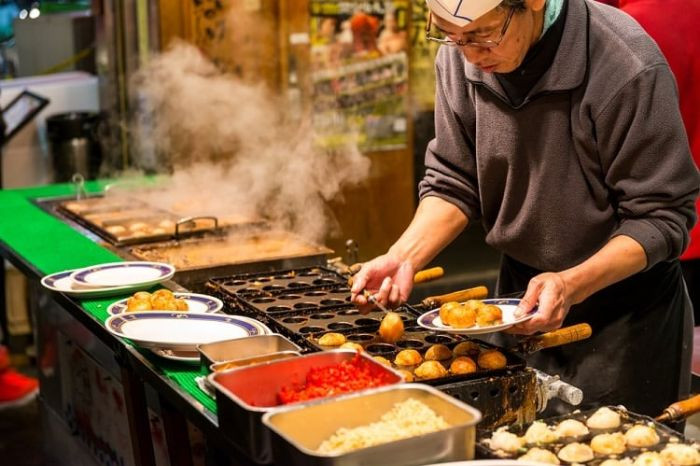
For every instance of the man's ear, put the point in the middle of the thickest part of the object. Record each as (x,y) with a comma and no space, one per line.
(535,5)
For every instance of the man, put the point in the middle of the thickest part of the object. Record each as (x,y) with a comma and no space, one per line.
(557,126)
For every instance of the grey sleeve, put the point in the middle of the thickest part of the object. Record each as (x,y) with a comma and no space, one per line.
(647,164)
(450,166)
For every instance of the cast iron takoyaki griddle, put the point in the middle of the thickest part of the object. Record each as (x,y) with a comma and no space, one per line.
(278,282)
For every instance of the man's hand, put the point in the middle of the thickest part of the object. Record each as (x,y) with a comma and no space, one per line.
(387,278)
(549,292)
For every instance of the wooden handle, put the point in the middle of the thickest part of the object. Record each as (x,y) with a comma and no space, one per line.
(681,410)
(559,337)
(479,292)
(428,274)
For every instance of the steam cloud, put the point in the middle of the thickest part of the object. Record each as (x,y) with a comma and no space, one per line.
(231,148)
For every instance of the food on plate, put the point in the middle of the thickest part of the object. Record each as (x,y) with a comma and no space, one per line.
(446,309)
(491,360)
(408,357)
(650,458)
(680,454)
(161,300)
(346,376)
(382,360)
(332,339)
(540,433)
(641,436)
(539,455)
(116,229)
(430,370)
(506,441)
(462,317)
(571,428)
(463,365)
(604,418)
(609,444)
(391,328)
(576,453)
(466,348)
(438,352)
(407,375)
(405,419)
(353,346)
(620,462)
(488,314)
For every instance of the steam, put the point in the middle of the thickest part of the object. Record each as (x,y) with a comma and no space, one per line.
(232,149)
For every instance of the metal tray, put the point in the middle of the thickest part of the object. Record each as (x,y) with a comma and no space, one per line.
(298,431)
(268,283)
(244,395)
(243,348)
(665,433)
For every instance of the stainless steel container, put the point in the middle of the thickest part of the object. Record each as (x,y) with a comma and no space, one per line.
(244,395)
(298,431)
(243,348)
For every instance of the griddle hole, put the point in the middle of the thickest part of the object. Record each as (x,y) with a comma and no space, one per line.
(512,390)
(332,302)
(344,289)
(306,330)
(234,282)
(495,392)
(289,296)
(339,325)
(457,396)
(305,305)
(409,344)
(294,320)
(474,395)
(321,316)
(273,287)
(278,309)
(367,322)
(380,349)
(260,279)
(405,318)
(349,312)
(297,284)
(361,337)
(316,293)
(438,339)
(414,328)
(324,281)
(264,300)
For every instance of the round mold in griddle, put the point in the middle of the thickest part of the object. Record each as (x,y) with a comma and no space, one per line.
(297,284)
(361,337)
(414,328)
(289,296)
(234,282)
(260,279)
(305,330)
(405,318)
(321,316)
(438,339)
(263,300)
(332,302)
(278,309)
(344,289)
(365,322)
(316,293)
(409,344)
(273,287)
(339,325)
(324,281)
(294,320)
(305,305)
(380,349)
(348,312)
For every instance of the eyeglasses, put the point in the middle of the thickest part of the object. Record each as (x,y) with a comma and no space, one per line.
(487,44)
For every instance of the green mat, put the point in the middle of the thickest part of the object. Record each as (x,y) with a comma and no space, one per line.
(50,246)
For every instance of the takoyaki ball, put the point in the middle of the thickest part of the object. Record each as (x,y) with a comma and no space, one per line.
(116,230)
(466,348)
(489,315)
(463,365)
(181,305)
(430,370)
(134,304)
(473,304)
(438,352)
(609,444)
(641,436)
(650,458)
(164,293)
(576,453)
(506,441)
(604,418)
(491,360)
(352,346)
(680,454)
(540,433)
(331,339)
(462,317)
(142,295)
(571,428)
(382,360)
(446,309)
(620,462)
(391,328)
(408,357)
(407,375)
(540,455)
(163,303)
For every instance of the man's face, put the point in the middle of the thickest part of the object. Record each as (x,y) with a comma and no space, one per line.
(523,31)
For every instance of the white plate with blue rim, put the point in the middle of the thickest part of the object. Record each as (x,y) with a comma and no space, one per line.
(62,283)
(431,319)
(134,273)
(179,331)
(197,303)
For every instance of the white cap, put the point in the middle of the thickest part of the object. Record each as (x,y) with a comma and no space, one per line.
(461,12)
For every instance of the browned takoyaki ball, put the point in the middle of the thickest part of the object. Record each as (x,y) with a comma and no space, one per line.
(489,315)
(463,316)
(430,370)
(463,365)
(467,348)
(446,309)
(438,352)
(491,360)
(408,357)
(332,339)
(391,328)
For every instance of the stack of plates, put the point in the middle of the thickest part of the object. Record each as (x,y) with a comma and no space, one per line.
(109,279)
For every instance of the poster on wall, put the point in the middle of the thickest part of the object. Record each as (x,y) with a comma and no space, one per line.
(360,72)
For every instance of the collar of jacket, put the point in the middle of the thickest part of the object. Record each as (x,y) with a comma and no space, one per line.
(570,65)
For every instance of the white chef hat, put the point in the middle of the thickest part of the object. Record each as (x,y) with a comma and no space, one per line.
(461,12)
